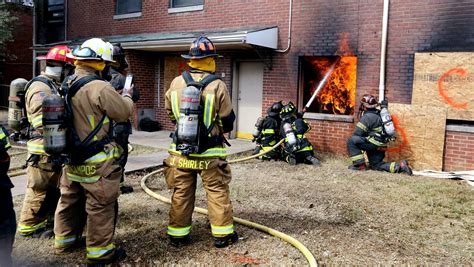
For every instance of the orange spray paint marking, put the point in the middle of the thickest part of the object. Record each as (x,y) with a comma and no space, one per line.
(404,144)
(442,92)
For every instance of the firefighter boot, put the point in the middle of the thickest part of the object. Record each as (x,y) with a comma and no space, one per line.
(43,234)
(224,241)
(119,254)
(313,160)
(360,167)
(291,159)
(178,242)
(405,167)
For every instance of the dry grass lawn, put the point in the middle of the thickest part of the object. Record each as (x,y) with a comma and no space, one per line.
(343,217)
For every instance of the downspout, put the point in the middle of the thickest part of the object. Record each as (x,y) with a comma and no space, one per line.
(65,19)
(383,51)
(289,29)
(34,40)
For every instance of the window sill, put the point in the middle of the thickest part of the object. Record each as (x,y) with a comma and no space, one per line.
(185,9)
(460,128)
(128,15)
(329,117)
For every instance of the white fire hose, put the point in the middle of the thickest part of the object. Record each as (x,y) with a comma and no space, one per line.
(468,176)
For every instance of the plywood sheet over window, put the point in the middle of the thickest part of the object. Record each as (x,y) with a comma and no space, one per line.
(445,80)
(420,135)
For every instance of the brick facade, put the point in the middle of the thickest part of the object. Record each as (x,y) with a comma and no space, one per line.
(458,151)
(414,26)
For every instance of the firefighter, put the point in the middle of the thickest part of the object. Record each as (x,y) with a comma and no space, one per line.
(198,146)
(7,213)
(92,178)
(270,133)
(369,136)
(296,148)
(42,191)
(122,130)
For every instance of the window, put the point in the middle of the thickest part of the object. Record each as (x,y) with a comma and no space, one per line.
(128,6)
(185,3)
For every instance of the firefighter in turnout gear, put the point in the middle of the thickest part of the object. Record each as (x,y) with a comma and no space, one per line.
(270,132)
(200,106)
(90,186)
(42,191)
(7,213)
(369,136)
(122,130)
(296,149)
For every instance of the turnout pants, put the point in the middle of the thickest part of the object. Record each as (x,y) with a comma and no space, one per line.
(216,176)
(41,198)
(98,203)
(375,154)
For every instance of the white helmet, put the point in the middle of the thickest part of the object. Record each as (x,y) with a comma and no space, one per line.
(94,49)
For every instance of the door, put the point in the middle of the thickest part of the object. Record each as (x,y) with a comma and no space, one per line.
(249,97)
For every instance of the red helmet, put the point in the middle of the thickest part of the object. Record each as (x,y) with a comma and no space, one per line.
(368,101)
(58,53)
(200,48)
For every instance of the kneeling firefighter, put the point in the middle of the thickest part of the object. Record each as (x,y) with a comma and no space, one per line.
(371,136)
(296,148)
(42,193)
(200,106)
(269,134)
(92,175)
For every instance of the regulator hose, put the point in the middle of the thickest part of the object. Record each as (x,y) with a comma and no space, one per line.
(309,257)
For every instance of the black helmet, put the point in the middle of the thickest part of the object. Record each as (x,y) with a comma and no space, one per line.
(121,62)
(288,110)
(202,47)
(275,109)
(368,101)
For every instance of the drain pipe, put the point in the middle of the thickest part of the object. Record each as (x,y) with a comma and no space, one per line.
(383,50)
(290,15)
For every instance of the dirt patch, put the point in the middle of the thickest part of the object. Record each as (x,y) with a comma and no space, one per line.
(343,217)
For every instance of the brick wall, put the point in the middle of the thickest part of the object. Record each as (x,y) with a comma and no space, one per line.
(458,151)
(414,26)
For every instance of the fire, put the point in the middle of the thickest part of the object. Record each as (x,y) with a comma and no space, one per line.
(338,95)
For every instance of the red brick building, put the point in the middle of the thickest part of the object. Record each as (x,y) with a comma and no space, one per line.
(251,34)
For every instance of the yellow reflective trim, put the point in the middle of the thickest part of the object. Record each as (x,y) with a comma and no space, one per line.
(63,241)
(35,148)
(178,231)
(106,120)
(392,167)
(377,129)
(222,230)
(208,107)
(37,121)
(268,131)
(25,229)
(102,156)
(375,142)
(2,134)
(362,126)
(306,148)
(91,120)
(211,152)
(357,157)
(82,179)
(97,252)
(175,105)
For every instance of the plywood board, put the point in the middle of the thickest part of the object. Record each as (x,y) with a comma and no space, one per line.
(420,135)
(445,80)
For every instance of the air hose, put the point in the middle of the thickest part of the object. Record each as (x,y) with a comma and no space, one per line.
(309,257)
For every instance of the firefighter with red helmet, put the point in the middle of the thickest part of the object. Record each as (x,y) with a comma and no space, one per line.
(42,191)
(199,104)
(370,136)
(296,148)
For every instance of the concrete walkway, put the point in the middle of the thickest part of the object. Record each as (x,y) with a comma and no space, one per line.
(159,140)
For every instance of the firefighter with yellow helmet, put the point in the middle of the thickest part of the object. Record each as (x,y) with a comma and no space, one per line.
(42,191)
(200,106)
(91,182)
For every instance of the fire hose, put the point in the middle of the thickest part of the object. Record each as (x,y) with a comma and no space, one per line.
(298,245)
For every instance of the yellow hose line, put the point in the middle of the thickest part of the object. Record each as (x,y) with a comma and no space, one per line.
(311,260)
(257,155)
(16,174)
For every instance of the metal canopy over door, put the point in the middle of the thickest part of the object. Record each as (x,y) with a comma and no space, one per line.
(249,101)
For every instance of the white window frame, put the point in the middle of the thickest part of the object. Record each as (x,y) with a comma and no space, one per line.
(189,8)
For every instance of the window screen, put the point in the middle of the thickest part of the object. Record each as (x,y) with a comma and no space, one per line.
(128,6)
(184,3)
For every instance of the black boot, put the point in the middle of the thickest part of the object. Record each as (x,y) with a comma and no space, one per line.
(179,241)
(313,160)
(360,167)
(119,254)
(405,167)
(224,241)
(291,159)
(125,189)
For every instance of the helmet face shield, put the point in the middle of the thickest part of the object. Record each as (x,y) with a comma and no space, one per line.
(85,52)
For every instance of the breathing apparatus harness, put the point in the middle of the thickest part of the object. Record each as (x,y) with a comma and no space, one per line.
(192,135)
(78,151)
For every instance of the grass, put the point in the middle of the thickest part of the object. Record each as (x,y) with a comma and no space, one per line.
(343,217)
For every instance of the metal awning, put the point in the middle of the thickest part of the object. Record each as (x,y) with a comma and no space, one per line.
(179,41)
